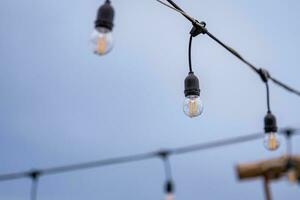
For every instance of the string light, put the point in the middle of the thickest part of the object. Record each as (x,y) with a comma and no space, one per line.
(103,43)
(102,39)
(271,141)
(193,104)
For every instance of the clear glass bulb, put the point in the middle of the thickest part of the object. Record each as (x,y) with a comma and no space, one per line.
(102,41)
(271,142)
(192,106)
(169,196)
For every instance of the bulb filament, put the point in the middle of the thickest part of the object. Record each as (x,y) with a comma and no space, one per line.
(101,44)
(192,106)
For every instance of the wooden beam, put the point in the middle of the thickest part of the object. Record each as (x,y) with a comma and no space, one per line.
(272,168)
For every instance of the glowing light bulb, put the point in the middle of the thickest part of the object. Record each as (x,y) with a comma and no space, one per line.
(271,142)
(102,40)
(192,106)
(169,196)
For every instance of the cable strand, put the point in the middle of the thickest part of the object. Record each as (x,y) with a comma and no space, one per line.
(133,158)
(190,54)
(268,96)
(34,189)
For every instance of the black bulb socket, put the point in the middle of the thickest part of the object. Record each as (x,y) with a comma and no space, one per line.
(270,123)
(169,187)
(105,16)
(191,85)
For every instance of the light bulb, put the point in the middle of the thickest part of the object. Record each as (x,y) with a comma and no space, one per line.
(292,175)
(169,196)
(102,40)
(192,106)
(271,142)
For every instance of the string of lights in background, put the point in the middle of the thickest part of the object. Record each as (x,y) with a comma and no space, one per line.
(103,43)
(164,155)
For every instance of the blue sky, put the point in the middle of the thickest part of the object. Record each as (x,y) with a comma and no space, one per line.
(61,104)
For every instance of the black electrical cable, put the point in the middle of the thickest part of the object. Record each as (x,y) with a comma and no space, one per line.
(285,86)
(131,158)
(215,144)
(34,189)
(81,166)
(268,97)
(203,30)
(167,166)
(100,163)
(190,54)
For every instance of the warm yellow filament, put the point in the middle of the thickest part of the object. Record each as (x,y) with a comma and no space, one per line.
(101,45)
(195,106)
(192,106)
(272,143)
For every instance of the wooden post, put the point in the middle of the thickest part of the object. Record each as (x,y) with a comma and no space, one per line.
(267,188)
(269,170)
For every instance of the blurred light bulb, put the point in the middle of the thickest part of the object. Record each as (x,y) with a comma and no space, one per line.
(271,142)
(292,175)
(169,196)
(102,40)
(192,106)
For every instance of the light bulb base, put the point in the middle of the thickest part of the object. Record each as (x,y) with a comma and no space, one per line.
(270,123)
(191,85)
(169,187)
(105,16)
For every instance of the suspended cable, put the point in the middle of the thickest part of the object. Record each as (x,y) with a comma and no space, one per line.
(216,144)
(132,158)
(268,97)
(164,155)
(100,163)
(34,185)
(190,54)
(202,29)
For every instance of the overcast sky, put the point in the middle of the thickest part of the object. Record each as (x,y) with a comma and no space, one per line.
(61,104)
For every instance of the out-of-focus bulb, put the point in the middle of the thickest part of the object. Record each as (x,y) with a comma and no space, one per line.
(169,196)
(192,106)
(292,175)
(102,40)
(271,142)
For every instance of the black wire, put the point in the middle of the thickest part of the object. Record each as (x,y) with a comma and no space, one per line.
(168,168)
(283,85)
(137,157)
(215,144)
(234,52)
(268,96)
(190,54)
(132,158)
(100,163)
(34,188)
(175,5)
